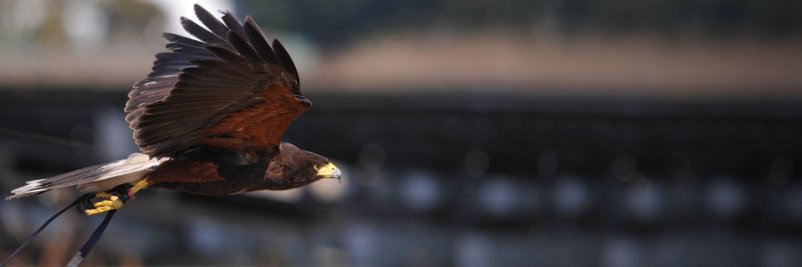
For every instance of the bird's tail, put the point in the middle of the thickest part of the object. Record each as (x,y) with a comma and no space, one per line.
(95,178)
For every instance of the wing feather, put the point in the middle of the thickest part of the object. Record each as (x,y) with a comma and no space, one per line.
(199,32)
(208,20)
(233,23)
(228,84)
(287,64)
(257,38)
(243,48)
(181,40)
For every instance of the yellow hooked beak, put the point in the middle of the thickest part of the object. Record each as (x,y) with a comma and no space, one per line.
(329,171)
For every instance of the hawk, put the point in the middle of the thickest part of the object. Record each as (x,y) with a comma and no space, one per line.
(208,119)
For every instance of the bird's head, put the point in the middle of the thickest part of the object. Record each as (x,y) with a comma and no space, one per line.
(294,167)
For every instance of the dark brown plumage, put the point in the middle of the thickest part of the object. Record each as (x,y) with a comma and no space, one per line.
(210,117)
(209,120)
(229,89)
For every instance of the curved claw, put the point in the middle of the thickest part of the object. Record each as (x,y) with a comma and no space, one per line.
(103,202)
(111,200)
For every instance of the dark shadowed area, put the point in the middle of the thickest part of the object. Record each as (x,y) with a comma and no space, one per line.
(471,133)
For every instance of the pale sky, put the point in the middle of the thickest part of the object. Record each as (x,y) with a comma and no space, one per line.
(176,9)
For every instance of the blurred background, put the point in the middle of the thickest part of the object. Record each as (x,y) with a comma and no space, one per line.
(471,133)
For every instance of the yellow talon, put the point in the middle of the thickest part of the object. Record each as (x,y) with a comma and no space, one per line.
(106,202)
(142,184)
(102,195)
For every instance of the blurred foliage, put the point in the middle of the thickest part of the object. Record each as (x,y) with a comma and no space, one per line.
(121,17)
(336,21)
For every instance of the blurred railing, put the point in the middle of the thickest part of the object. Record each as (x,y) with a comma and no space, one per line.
(450,178)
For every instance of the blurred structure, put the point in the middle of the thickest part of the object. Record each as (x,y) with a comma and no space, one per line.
(474,133)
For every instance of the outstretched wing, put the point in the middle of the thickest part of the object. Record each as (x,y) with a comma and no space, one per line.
(229,88)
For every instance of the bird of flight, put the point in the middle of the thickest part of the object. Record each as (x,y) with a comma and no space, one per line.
(208,119)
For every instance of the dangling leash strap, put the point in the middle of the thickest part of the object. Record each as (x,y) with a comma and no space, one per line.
(28,240)
(90,243)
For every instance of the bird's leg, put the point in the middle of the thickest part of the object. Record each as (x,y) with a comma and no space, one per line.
(110,200)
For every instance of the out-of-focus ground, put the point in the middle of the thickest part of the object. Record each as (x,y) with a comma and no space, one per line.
(621,65)
(639,65)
